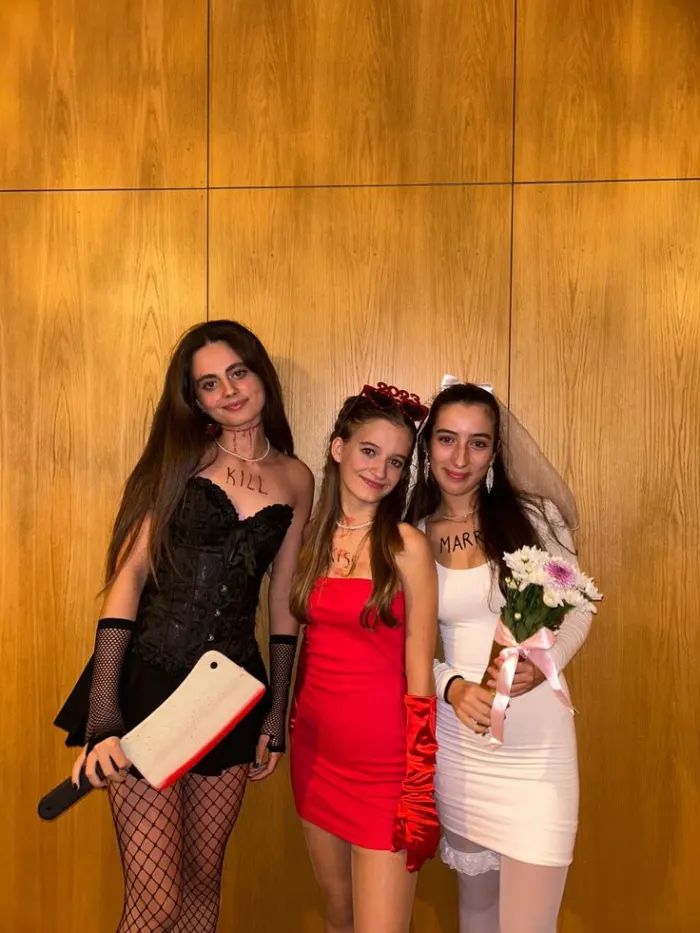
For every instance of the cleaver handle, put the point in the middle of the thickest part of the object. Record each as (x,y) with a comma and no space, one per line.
(64,795)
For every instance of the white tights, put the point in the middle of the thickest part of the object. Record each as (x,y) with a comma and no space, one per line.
(520,898)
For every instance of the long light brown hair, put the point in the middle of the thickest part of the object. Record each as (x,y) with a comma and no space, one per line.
(385,540)
(179,438)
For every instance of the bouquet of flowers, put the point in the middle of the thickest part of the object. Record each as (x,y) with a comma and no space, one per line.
(540,590)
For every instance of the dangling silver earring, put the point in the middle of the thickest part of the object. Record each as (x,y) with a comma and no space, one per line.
(426,469)
(489,478)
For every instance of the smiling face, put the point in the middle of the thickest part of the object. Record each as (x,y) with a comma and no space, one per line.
(371,461)
(226,389)
(461,447)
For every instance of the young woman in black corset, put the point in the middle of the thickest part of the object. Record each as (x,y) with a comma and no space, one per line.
(216,498)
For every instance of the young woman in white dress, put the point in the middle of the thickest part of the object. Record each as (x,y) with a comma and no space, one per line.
(508,813)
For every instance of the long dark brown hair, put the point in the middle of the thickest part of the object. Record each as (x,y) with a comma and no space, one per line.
(179,438)
(504,524)
(385,540)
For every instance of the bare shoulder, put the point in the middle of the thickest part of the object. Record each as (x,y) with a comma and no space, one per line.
(415,543)
(296,474)
(300,482)
(301,476)
(416,565)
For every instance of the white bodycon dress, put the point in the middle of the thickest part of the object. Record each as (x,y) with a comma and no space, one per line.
(519,799)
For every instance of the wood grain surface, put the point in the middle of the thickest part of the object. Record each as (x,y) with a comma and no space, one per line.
(96,289)
(338,228)
(606,372)
(607,89)
(102,95)
(309,92)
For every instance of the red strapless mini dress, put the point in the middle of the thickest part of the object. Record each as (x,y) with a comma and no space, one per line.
(348,720)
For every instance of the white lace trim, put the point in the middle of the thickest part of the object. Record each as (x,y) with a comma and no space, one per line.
(469,863)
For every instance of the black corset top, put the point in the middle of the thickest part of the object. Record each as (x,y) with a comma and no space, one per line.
(207,596)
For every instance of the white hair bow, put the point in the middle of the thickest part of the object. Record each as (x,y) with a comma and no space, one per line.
(449,380)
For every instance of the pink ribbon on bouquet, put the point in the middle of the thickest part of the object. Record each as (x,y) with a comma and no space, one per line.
(536,648)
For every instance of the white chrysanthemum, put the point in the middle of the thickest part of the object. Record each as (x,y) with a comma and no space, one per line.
(589,588)
(523,556)
(539,577)
(514,562)
(574,597)
(552,597)
(525,563)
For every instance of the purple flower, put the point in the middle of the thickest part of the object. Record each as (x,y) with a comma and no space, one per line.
(560,573)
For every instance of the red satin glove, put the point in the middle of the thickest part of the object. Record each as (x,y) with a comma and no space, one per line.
(416,826)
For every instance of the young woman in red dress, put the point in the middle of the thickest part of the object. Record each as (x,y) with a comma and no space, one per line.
(363,720)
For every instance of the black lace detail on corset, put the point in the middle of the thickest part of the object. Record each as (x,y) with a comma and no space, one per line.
(208,597)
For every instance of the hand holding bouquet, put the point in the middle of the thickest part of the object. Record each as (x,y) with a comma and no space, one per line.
(540,590)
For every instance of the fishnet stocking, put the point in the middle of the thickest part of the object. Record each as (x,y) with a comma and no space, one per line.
(149,831)
(210,808)
(172,845)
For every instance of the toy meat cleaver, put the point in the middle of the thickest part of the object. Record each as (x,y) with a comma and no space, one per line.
(210,701)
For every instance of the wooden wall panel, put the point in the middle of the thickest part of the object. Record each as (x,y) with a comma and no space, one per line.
(95,290)
(346,286)
(102,94)
(311,92)
(608,89)
(606,373)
